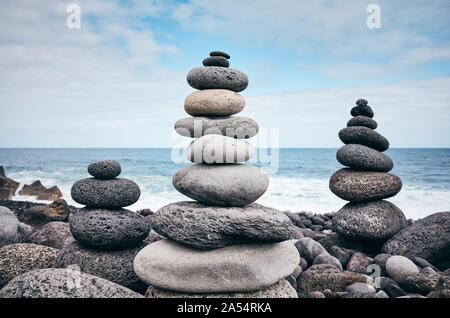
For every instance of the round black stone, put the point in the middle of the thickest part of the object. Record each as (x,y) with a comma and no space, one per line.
(216,61)
(363,110)
(361,102)
(105,169)
(219,53)
(362,121)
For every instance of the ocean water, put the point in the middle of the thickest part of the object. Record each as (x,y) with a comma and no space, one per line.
(298,177)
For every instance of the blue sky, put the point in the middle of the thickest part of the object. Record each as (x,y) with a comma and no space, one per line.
(119,80)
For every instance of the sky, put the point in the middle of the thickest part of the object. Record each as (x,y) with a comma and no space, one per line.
(120,79)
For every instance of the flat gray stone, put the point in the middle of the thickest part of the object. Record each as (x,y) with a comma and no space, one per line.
(216,61)
(222,184)
(105,169)
(210,227)
(19,258)
(232,126)
(428,238)
(360,186)
(364,136)
(110,194)
(208,77)
(219,149)
(363,158)
(371,220)
(115,266)
(219,53)
(9,227)
(362,121)
(282,289)
(109,229)
(63,283)
(244,267)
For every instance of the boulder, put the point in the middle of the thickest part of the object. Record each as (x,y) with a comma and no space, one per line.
(221,185)
(63,283)
(213,77)
(282,289)
(41,214)
(108,229)
(16,259)
(115,266)
(361,186)
(428,238)
(373,220)
(54,234)
(231,126)
(40,192)
(209,227)
(244,267)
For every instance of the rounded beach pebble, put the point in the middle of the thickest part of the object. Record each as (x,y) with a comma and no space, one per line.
(364,136)
(105,169)
(108,229)
(214,102)
(216,61)
(111,194)
(364,158)
(208,77)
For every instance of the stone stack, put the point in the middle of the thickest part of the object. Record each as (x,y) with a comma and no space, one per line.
(366,181)
(107,236)
(222,244)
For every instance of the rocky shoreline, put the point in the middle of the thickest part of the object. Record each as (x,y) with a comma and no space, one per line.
(330,265)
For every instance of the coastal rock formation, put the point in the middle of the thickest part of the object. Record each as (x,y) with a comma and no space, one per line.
(223,244)
(107,237)
(38,190)
(365,182)
(42,214)
(8,186)
(63,283)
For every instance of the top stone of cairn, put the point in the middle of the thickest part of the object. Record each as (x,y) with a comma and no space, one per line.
(361,102)
(105,169)
(219,53)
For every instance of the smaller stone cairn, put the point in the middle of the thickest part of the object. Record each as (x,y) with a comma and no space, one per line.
(107,236)
(223,244)
(366,182)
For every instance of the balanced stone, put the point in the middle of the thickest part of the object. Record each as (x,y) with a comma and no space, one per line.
(361,102)
(113,265)
(108,229)
(63,283)
(360,157)
(369,220)
(16,259)
(219,149)
(209,227)
(244,267)
(111,194)
(364,136)
(216,61)
(219,53)
(282,289)
(362,121)
(359,186)
(362,110)
(105,169)
(232,126)
(214,102)
(208,77)
(223,185)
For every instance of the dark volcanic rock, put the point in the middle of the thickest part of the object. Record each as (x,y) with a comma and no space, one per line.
(40,192)
(219,53)
(231,126)
(309,249)
(442,289)
(16,259)
(115,266)
(390,287)
(63,283)
(362,121)
(423,282)
(340,254)
(360,186)
(209,227)
(371,220)
(428,238)
(54,234)
(111,194)
(361,102)
(364,136)
(108,229)
(359,157)
(105,169)
(216,61)
(358,263)
(40,215)
(8,186)
(362,110)
(381,260)
(212,77)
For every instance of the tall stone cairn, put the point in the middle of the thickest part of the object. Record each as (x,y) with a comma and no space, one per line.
(366,181)
(222,244)
(107,236)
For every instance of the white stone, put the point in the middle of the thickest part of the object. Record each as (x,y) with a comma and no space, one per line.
(399,267)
